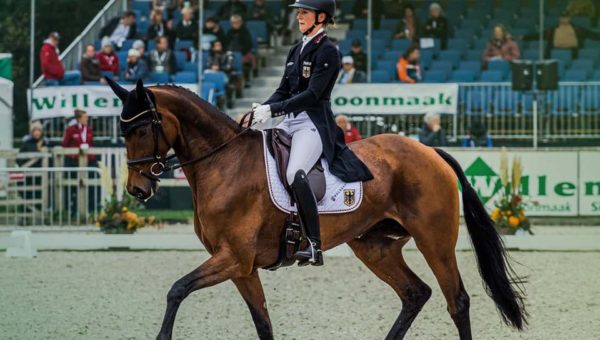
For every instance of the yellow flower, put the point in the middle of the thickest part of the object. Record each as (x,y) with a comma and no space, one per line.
(151,220)
(507,212)
(495,214)
(522,215)
(513,221)
(98,224)
(124,209)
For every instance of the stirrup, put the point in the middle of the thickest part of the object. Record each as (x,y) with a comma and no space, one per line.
(311,255)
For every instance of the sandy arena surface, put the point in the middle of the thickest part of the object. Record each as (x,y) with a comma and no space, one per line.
(121,295)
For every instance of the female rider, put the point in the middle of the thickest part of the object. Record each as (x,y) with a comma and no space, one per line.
(303,96)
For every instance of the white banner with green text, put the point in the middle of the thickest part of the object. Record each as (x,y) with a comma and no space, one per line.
(395,98)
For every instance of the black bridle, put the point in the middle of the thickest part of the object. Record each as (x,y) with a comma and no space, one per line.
(159,163)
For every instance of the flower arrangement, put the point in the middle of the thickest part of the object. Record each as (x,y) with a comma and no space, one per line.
(509,211)
(118,215)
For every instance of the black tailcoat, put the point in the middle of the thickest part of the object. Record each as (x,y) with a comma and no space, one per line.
(306,85)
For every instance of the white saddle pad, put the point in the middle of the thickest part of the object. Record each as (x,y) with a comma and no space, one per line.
(340,197)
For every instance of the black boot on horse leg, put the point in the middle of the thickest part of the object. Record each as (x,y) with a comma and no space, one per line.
(309,217)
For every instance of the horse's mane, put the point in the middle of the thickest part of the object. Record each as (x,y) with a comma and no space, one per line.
(203,104)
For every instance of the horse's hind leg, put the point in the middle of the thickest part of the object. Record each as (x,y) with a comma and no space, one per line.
(384,258)
(251,290)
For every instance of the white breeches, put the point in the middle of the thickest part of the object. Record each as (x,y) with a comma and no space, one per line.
(306,144)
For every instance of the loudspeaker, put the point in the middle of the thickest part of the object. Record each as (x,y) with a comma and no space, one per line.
(522,75)
(546,75)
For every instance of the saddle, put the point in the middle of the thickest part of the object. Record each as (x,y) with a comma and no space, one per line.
(279,144)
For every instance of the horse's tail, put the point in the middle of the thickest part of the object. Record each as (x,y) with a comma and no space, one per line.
(500,281)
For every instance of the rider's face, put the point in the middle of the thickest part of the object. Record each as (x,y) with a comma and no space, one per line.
(306,18)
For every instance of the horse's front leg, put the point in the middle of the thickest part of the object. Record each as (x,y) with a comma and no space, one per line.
(252,292)
(220,267)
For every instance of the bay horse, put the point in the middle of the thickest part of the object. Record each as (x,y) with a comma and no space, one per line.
(414,194)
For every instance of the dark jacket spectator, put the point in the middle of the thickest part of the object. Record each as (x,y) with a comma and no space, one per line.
(212,27)
(361,10)
(238,39)
(52,67)
(79,134)
(225,60)
(232,7)
(90,65)
(408,68)
(33,142)
(136,66)
(120,29)
(351,134)
(565,36)
(162,58)
(437,25)
(408,27)
(393,9)
(477,136)
(431,133)
(501,46)
(159,27)
(350,75)
(109,61)
(359,56)
(260,11)
(187,28)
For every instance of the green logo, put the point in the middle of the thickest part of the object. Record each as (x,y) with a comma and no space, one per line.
(483,179)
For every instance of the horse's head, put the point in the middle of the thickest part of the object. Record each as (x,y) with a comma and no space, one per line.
(149,134)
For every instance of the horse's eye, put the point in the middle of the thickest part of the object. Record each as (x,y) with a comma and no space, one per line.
(142,132)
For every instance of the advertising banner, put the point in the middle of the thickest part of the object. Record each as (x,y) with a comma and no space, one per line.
(60,101)
(589,183)
(395,98)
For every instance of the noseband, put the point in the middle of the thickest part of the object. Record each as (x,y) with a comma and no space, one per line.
(159,163)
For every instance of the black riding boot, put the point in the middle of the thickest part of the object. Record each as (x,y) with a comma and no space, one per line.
(309,217)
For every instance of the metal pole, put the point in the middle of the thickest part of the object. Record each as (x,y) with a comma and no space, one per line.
(369,29)
(541,42)
(31,55)
(535,119)
(200,33)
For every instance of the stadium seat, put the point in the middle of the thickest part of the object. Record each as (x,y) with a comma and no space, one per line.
(389,24)
(142,25)
(581,64)
(462,76)
(590,100)
(208,92)
(382,34)
(159,78)
(180,58)
(452,56)
(435,76)
(506,102)
(426,58)
(150,45)
(345,46)
(108,74)
(473,55)
(576,75)
(499,65)
(564,100)
(142,6)
(595,75)
(478,102)
(359,24)
(185,78)
(530,54)
(562,55)
(400,45)
(218,79)
(190,66)
(127,44)
(458,44)
(393,55)
(183,44)
(258,29)
(380,76)
(589,53)
(387,66)
(491,76)
(470,65)
(378,47)
(442,65)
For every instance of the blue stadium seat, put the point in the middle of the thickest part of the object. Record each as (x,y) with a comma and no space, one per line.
(150,45)
(590,100)
(359,24)
(127,44)
(393,55)
(471,65)
(452,56)
(442,65)
(258,29)
(108,74)
(499,65)
(185,77)
(208,92)
(564,100)
(159,78)
(435,76)
(142,25)
(180,58)
(530,54)
(576,75)
(218,79)
(380,76)
(183,44)
(595,75)
(473,55)
(458,44)
(142,6)
(506,102)
(382,34)
(345,46)
(462,76)
(589,53)
(491,76)
(378,47)
(189,66)
(426,58)
(478,102)
(122,55)
(225,25)
(562,55)
(400,45)
(586,65)
(480,45)
(388,24)
(357,34)
(387,66)
(237,58)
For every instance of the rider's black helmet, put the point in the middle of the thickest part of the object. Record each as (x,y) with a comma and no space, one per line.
(325,6)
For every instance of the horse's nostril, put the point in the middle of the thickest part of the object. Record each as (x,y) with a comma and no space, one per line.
(139,193)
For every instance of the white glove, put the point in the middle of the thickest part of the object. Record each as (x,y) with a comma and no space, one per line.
(262,113)
(255,105)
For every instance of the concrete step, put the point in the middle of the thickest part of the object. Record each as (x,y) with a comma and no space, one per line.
(258,92)
(267,81)
(272,71)
(245,103)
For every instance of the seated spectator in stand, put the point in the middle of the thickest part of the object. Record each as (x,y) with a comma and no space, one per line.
(500,47)
(53,69)
(212,69)
(33,142)
(584,8)
(160,28)
(477,136)
(238,39)
(120,29)
(437,25)
(109,61)
(78,135)
(90,66)
(260,11)
(231,8)
(408,27)
(351,134)
(431,133)
(162,59)
(140,46)
(136,66)
(358,55)
(350,75)
(361,10)
(408,67)
(212,31)
(225,60)
(565,36)
(187,29)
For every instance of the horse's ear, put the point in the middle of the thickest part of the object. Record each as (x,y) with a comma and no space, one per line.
(139,89)
(117,89)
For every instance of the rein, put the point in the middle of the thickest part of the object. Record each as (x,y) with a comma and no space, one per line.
(157,159)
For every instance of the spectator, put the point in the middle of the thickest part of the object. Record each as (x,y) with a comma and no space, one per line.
(477,136)
(431,133)
(349,74)
(260,11)
(53,69)
(351,134)
(120,29)
(408,67)
(225,60)
(238,39)
(584,8)
(437,25)
(231,8)
(212,31)
(358,55)
(501,46)
(187,29)
(109,61)
(162,59)
(78,135)
(35,140)
(565,36)
(408,27)
(159,28)
(393,9)
(361,10)
(140,46)
(90,66)
(136,66)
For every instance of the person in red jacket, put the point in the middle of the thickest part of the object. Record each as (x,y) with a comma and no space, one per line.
(109,61)
(351,134)
(53,69)
(79,135)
